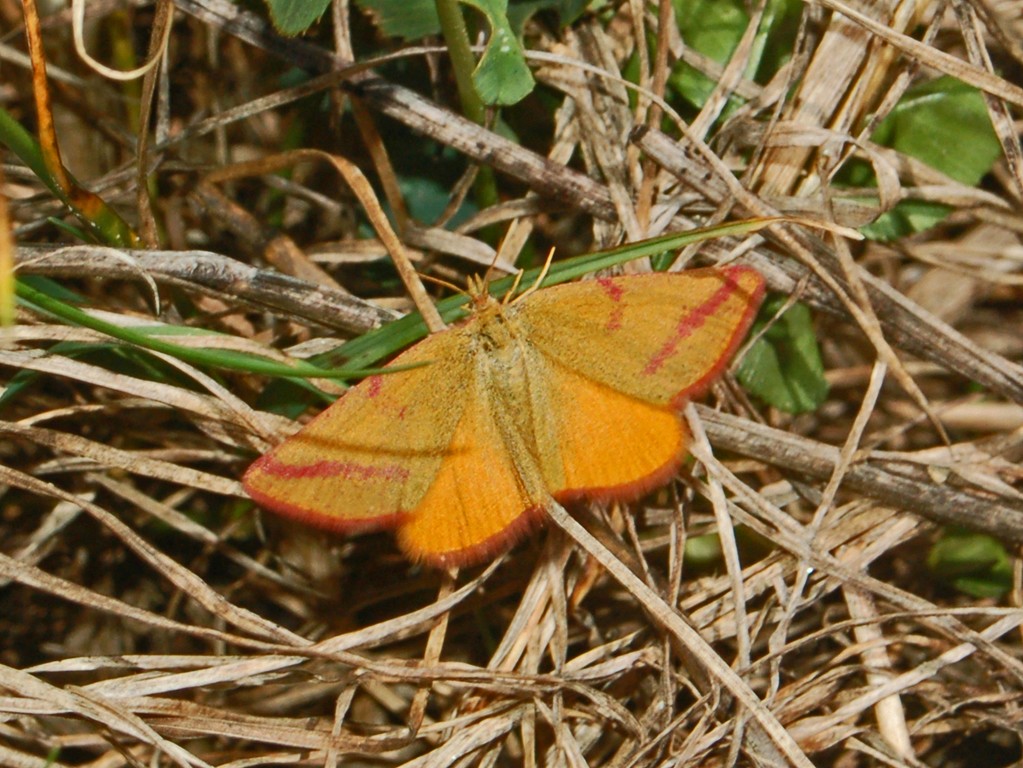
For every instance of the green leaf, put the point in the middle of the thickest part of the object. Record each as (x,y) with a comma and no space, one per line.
(713,28)
(943,123)
(427,199)
(407,19)
(783,367)
(974,563)
(906,218)
(293,17)
(502,76)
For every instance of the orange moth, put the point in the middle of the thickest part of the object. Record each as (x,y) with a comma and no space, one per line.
(573,391)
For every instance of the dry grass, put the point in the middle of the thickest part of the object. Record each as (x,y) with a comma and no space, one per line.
(149,618)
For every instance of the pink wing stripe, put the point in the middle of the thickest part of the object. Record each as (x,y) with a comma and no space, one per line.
(689,324)
(615,293)
(346,470)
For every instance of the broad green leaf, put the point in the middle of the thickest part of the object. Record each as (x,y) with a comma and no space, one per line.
(407,19)
(906,218)
(427,199)
(713,28)
(943,123)
(502,76)
(293,17)
(974,563)
(783,367)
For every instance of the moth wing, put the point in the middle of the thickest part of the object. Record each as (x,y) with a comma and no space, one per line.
(603,443)
(661,338)
(368,459)
(483,497)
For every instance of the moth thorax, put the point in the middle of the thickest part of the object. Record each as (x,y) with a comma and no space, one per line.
(495,333)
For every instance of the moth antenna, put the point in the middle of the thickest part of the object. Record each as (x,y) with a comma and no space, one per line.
(510,295)
(445,283)
(490,267)
(539,278)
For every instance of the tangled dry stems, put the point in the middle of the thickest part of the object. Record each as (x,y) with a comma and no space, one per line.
(150,618)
